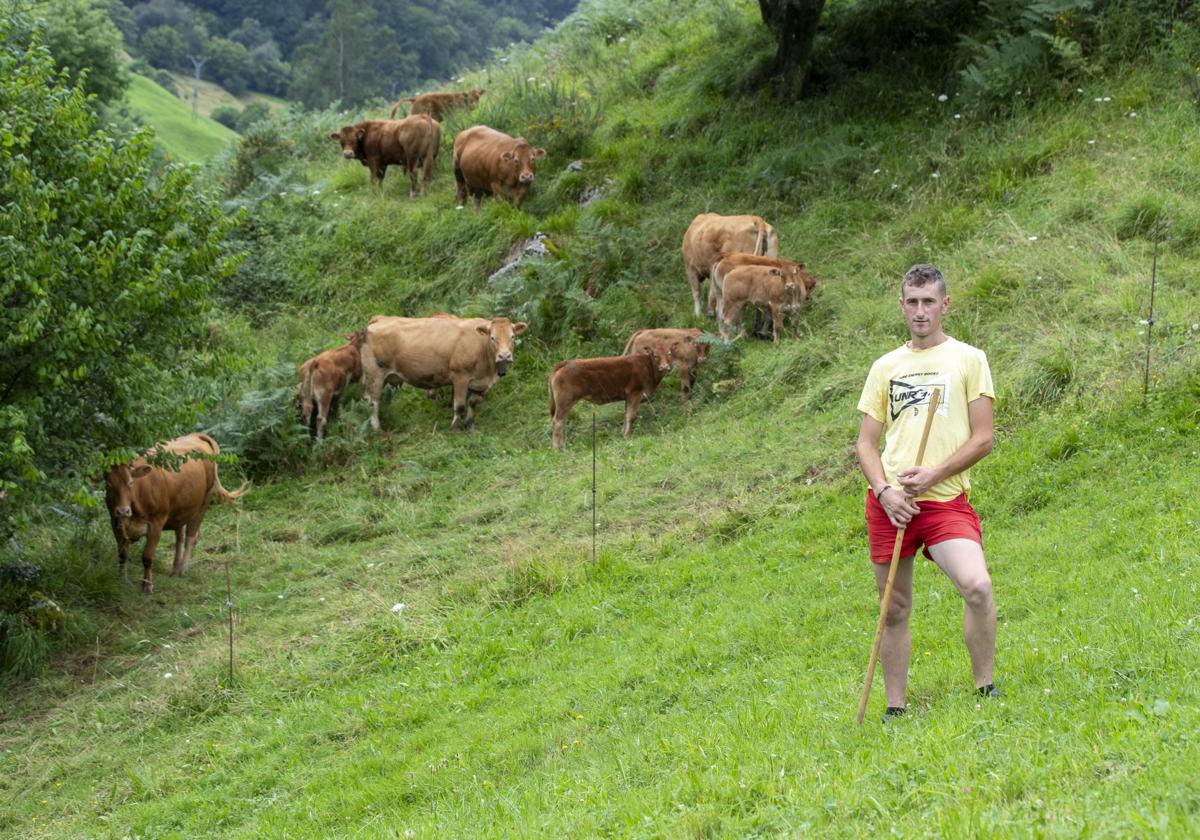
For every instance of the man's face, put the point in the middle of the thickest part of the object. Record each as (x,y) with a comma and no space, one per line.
(923,308)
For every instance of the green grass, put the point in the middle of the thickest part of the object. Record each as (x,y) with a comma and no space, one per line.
(182,136)
(700,678)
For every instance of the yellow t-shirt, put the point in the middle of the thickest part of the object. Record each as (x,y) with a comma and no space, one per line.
(897,395)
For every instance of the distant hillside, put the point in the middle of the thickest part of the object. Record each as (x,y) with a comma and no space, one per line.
(183,136)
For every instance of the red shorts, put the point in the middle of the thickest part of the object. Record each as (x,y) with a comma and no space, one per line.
(937,522)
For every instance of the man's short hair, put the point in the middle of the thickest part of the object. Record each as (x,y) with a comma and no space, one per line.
(923,274)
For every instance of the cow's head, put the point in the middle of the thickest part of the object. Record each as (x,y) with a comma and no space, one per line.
(520,160)
(357,339)
(118,488)
(473,96)
(688,352)
(350,137)
(661,354)
(501,332)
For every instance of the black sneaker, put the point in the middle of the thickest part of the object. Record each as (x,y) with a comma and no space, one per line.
(989,690)
(894,711)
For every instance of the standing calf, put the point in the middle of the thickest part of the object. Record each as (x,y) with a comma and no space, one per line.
(324,377)
(685,350)
(604,380)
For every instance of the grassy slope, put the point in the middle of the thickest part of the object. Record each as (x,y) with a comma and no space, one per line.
(700,678)
(185,138)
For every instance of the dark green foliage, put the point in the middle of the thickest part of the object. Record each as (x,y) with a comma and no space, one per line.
(109,267)
(253,113)
(80,37)
(163,47)
(226,115)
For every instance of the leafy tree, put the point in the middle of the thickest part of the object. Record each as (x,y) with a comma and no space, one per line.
(84,42)
(108,269)
(162,46)
(229,64)
(252,113)
(226,115)
(793,23)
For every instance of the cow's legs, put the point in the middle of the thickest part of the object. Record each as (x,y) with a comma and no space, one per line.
(558,433)
(694,280)
(714,294)
(372,385)
(685,383)
(153,532)
(460,187)
(122,549)
(193,534)
(180,563)
(460,405)
(777,321)
(474,398)
(412,176)
(428,173)
(477,197)
(631,407)
(323,406)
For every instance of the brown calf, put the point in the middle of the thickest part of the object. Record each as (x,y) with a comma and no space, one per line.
(324,377)
(604,380)
(685,350)
(761,285)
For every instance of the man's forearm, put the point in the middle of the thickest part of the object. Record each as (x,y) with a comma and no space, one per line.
(965,457)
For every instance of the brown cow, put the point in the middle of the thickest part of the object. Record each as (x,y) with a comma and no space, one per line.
(608,379)
(685,350)
(725,263)
(489,162)
(144,501)
(762,285)
(324,377)
(411,142)
(469,354)
(709,234)
(438,105)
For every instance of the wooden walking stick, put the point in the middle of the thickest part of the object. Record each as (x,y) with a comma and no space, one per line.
(935,400)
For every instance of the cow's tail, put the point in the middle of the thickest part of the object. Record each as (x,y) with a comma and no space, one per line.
(396,107)
(760,243)
(629,344)
(224,495)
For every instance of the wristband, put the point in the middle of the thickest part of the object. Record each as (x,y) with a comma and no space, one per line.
(881,491)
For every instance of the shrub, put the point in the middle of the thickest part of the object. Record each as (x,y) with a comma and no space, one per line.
(226,115)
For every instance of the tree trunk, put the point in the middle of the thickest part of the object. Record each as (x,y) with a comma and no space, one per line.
(197,63)
(794,25)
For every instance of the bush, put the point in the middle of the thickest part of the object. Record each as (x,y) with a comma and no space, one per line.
(109,274)
(226,115)
(253,113)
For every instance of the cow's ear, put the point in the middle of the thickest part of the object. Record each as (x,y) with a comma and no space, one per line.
(508,157)
(776,272)
(482,330)
(800,266)
(139,471)
(538,154)
(335,136)
(519,327)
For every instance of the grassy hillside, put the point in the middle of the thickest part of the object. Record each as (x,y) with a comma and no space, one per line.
(699,679)
(182,136)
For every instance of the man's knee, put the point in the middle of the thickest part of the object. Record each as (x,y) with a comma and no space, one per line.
(898,610)
(977,592)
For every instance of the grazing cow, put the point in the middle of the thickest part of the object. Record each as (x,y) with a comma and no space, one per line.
(324,377)
(412,142)
(685,350)
(438,105)
(709,234)
(489,162)
(144,500)
(608,379)
(772,287)
(469,354)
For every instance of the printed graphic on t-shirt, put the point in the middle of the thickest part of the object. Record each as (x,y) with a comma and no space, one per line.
(904,395)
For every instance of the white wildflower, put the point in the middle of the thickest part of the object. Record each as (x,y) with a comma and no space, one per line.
(398,608)
(895,186)
(168,675)
(942,97)
(935,175)
(531,79)
(1108,99)
(958,116)
(877,171)
(1033,239)
(1091,142)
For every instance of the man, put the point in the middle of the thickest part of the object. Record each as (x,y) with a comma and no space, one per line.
(929,501)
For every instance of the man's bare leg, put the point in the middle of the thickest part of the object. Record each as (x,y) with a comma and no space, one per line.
(962,561)
(895,648)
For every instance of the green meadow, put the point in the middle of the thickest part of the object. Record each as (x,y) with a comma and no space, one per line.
(425,645)
(183,136)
